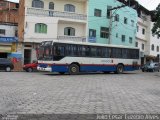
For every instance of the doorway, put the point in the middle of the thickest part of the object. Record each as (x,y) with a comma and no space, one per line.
(27,56)
(3,55)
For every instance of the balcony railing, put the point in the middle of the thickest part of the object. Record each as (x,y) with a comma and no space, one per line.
(51,13)
(70,38)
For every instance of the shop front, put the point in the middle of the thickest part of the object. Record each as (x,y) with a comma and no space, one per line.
(8,49)
(7,46)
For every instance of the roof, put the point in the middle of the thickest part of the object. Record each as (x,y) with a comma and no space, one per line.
(92,44)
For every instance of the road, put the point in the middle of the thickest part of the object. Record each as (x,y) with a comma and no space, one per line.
(36,93)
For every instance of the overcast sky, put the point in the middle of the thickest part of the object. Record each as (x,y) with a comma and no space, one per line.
(149,4)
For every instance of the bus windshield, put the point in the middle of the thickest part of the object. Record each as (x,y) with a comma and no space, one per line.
(45,51)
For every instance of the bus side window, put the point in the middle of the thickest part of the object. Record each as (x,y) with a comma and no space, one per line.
(110,52)
(59,51)
(99,52)
(79,50)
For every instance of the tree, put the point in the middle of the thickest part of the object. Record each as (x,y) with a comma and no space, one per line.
(156,26)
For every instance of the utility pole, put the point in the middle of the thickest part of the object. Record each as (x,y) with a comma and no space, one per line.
(110,27)
(111,21)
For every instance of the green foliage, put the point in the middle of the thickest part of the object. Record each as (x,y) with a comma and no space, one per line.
(156,27)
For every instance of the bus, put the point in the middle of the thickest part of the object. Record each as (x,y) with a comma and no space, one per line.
(73,57)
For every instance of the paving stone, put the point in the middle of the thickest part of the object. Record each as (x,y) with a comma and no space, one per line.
(36,93)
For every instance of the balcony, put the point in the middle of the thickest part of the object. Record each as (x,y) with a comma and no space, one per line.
(51,13)
(70,38)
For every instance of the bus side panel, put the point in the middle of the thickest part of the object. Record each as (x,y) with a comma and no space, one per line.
(43,65)
(60,68)
(92,68)
(130,68)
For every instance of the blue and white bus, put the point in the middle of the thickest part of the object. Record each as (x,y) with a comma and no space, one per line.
(73,57)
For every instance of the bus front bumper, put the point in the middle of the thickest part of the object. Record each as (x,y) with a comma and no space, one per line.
(47,69)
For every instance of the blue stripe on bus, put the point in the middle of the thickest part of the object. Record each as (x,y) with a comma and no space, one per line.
(43,65)
(97,68)
(59,68)
(88,68)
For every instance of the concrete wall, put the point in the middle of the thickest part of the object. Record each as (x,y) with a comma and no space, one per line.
(80,7)
(9,30)
(156,42)
(117,27)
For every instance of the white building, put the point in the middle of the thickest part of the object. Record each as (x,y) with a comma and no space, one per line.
(148,44)
(51,20)
(8,38)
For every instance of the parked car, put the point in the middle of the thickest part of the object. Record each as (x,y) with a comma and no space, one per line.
(151,67)
(30,67)
(6,65)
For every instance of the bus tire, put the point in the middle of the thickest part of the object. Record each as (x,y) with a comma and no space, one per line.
(119,69)
(73,69)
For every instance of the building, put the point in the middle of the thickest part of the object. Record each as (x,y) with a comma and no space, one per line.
(8,27)
(107,26)
(149,44)
(9,32)
(109,22)
(50,20)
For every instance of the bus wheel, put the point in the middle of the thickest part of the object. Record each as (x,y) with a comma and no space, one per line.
(73,69)
(120,69)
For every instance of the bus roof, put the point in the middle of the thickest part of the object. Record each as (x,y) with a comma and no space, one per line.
(92,44)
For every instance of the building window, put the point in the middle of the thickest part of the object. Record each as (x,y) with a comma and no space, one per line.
(2,31)
(143,31)
(123,38)
(142,46)
(157,48)
(125,20)
(109,11)
(137,28)
(92,33)
(69,8)
(51,6)
(69,31)
(97,12)
(136,44)
(40,28)
(37,4)
(132,23)
(116,35)
(130,39)
(117,17)
(104,32)
(152,47)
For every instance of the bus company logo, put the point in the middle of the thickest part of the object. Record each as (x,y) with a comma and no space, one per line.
(107,61)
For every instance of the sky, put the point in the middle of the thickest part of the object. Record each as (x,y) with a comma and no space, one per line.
(149,4)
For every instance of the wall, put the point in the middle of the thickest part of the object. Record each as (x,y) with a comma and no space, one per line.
(117,27)
(29,30)
(21,20)
(9,30)
(155,41)
(59,5)
(79,29)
